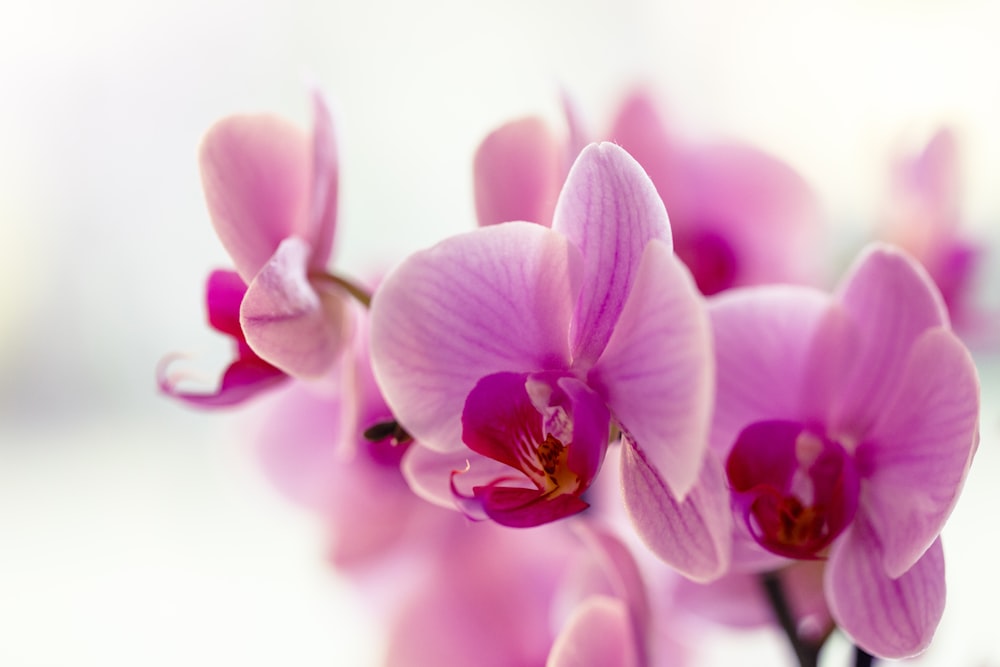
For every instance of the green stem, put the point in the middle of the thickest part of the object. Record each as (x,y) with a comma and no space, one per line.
(360,294)
(863,658)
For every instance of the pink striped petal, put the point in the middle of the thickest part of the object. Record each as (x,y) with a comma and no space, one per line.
(608,209)
(656,373)
(492,300)
(324,182)
(888,617)
(599,633)
(918,454)
(298,326)
(255,173)
(762,348)
(518,170)
(891,301)
(693,536)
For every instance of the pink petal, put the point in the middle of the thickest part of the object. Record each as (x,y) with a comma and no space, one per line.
(918,454)
(299,326)
(892,301)
(248,374)
(693,536)
(255,173)
(599,633)
(762,342)
(619,568)
(430,474)
(518,170)
(495,299)
(525,508)
(610,210)
(325,179)
(889,618)
(656,373)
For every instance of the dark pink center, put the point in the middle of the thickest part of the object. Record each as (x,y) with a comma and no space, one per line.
(796,489)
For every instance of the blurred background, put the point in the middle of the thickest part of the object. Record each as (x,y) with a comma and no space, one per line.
(134,531)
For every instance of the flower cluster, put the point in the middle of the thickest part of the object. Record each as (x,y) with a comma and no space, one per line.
(630,370)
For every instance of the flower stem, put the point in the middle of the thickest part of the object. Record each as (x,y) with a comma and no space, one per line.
(863,658)
(807,652)
(360,294)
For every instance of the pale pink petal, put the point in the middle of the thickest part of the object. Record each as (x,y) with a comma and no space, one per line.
(325,180)
(656,373)
(892,301)
(917,455)
(298,325)
(889,618)
(762,340)
(433,475)
(598,634)
(255,173)
(693,536)
(495,299)
(518,170)
(608,209)
(618,567)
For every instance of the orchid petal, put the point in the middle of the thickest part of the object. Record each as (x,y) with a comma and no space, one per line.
(619,568)
(495,299)
(608,209)
(518,170)
(694,536)
(598,633)
(887,617)
(919,453)
(525,508)
(255,175)
(656,373)
(762,342)
(298,326)
(431,474)
(325,180)
(892,301)
(245,377)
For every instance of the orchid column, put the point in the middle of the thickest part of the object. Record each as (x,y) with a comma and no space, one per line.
(513,353)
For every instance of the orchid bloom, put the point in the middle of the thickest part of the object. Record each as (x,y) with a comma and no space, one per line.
(509,352)
(848,424)
(272,195)
(739,216)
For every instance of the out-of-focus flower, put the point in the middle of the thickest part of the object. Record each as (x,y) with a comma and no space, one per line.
(848,423)
(543,596)
(271,192)
(739,216)
(924,217)
(320,447)
(507,352)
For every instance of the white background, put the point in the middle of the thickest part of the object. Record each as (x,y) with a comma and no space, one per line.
(135,532)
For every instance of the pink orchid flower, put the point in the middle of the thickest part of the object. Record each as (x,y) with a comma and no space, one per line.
(739,216)
(509,352)
(848,424)
(272,195)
